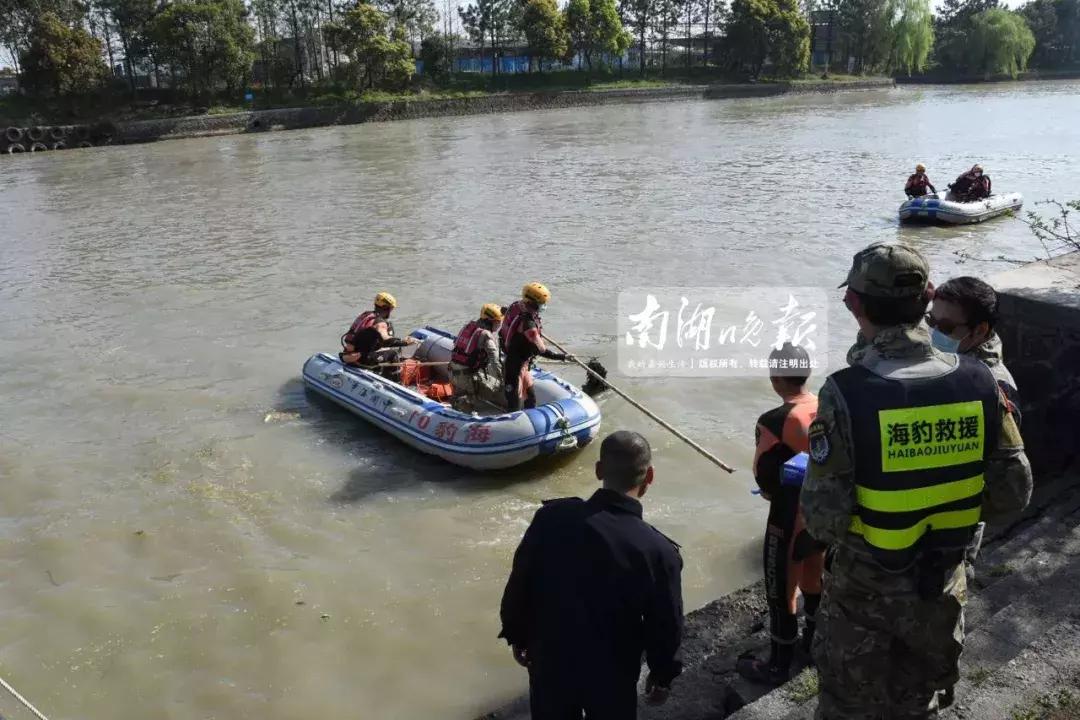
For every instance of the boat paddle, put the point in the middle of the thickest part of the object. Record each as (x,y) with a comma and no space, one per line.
(667,426)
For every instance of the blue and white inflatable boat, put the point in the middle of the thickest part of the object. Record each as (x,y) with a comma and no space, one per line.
(564,420)
(941,208)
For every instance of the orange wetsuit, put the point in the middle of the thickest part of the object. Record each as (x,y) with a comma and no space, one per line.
(782,433)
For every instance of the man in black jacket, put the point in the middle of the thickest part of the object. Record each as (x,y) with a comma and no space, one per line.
(593,588)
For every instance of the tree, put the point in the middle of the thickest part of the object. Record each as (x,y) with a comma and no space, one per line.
(608,36)
(416,17)
(1001,43)
(61,60)
(639,14)
(913,36)
(789,39)
(865,28)
(361,34)
(209,43)
(487,21)
(665,19)
(1041,16)
(132,19)
(19,17)
(579,30)
(595,29)
(436,56)
(1056,27)
(748,33)
(544,28)
(691,15)
(951,29)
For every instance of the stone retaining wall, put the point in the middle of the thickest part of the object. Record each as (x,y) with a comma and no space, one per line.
(307,117)
(1039,306)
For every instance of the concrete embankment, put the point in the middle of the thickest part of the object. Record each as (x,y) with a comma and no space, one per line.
(294,118)
(953,79)
(1024,634)
(308,117)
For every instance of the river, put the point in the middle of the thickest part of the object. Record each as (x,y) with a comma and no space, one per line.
(185,533)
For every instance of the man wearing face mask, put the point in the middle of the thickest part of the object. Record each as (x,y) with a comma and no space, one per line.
(962,320)
(910,449)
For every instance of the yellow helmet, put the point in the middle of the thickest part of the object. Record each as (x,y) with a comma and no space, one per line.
(491,311)
(536,292)
(385,300)
(920,168)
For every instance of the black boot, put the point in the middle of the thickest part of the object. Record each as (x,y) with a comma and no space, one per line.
(774,672)
(810,607)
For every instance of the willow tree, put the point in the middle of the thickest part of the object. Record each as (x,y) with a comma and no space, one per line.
(912,36)
(1000,43)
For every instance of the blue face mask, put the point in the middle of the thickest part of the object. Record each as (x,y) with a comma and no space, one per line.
(943,342)
(541,308)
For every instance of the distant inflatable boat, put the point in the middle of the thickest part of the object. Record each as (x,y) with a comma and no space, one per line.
(938,209)
(564,420)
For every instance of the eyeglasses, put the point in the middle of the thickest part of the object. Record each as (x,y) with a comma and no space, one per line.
(944,326)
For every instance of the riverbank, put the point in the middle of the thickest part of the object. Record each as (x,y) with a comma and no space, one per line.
(420,107)
(1013,614)
(953,79)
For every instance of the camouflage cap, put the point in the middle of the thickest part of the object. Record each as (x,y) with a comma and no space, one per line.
(889,270)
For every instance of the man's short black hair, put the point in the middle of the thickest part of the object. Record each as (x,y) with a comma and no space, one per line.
(887,311)
(977,299)
(625,456)
(797,370)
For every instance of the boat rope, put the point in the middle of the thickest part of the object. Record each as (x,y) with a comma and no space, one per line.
(23,700)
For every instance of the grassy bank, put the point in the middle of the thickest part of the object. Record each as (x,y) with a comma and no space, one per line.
(158,104)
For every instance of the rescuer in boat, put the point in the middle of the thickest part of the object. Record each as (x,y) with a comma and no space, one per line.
(476,370)
(972,185)
(918,183)
(370,339)
(521,338)
(781,434)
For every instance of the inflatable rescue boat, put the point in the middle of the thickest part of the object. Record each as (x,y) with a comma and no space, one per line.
(564,419)
(938,209)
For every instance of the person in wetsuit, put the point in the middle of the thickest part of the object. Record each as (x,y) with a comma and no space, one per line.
(781,434)
(370,339)
(918,183)
(522,341)
(475,363)
(972,185)
(593,588)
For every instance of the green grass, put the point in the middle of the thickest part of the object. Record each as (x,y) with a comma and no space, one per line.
(1000,571)
(803,687)
(632,84)
(1060,705)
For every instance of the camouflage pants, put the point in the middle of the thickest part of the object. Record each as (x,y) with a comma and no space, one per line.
(885,658)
